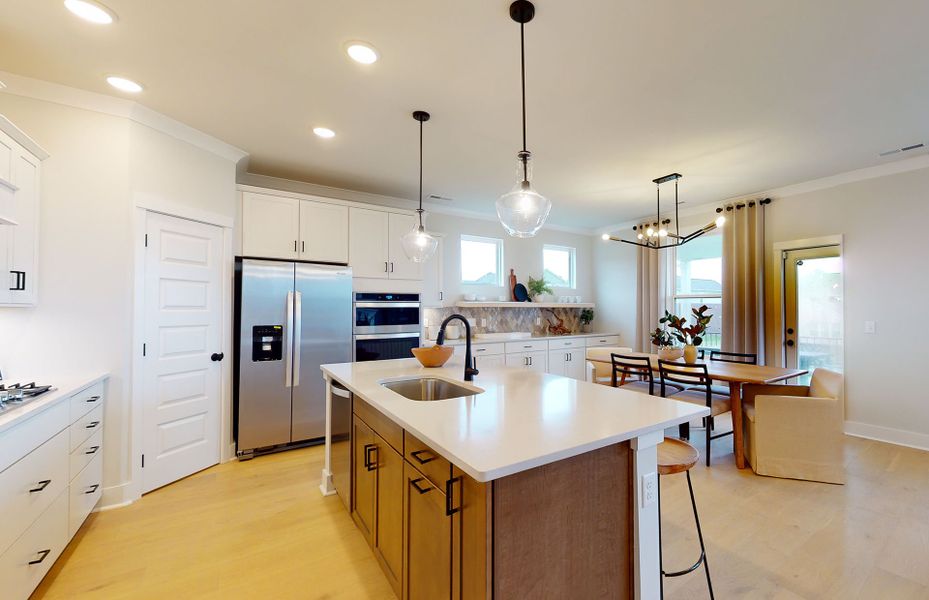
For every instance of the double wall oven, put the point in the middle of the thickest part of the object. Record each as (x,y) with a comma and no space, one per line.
(386,325)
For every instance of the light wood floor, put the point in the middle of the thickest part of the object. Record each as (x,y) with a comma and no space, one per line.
(260,529)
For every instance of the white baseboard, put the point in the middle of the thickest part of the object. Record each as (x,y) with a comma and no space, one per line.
(116,496)
(900,437)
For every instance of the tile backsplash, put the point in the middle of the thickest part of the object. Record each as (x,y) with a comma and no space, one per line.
(504,320)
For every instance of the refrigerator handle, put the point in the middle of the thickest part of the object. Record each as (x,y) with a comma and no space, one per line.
(298,334)
(289,342)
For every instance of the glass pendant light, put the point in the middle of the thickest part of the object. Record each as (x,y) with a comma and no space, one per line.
(418,244)
(522,211)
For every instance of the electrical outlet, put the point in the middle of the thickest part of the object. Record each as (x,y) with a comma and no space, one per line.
(649,489)
(483,322)
(870,327)
(538,320)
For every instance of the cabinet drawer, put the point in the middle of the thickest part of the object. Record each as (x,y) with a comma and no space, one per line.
(387,429)
(86,490)
(566,343)
(85,427)
(30,557)
(23,438)
(487,349)
(526,346)
(86,400)
(427,461)
(86,452)
(603,340)
(28,487)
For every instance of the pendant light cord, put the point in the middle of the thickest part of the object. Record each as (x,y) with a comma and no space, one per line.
(420,209)
(522,67)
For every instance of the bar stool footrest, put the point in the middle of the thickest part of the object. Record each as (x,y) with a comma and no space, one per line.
(691,569)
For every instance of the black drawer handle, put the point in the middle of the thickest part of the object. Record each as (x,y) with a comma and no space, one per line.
(449,500)
(42,485)
(92,425)
(415,484)
(42,556)
(422,461)
(370,463)
(93,488)
(92,450)
(92,399)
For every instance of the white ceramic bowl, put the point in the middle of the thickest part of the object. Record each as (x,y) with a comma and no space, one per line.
(469,297)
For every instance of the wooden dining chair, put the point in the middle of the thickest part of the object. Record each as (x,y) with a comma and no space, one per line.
(695,379)
(635,372)
(730,357)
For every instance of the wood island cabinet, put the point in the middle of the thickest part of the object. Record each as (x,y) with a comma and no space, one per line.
(438,533)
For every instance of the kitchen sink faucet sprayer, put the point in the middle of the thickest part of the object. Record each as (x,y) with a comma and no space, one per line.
(469,370)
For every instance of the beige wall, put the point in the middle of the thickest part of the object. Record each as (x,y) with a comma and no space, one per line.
(614,270)
(83,320)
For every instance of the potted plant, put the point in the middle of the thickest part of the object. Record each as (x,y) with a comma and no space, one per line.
(666,348)
(689,335)
(587,315)
(537,287)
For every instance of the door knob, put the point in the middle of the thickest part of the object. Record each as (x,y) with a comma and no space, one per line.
(216,356)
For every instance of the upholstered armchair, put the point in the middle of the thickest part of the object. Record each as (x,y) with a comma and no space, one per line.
(602,371)
(796,431)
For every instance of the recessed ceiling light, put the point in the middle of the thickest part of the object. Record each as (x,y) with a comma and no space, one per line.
(91,11)
(362,52)
(324,132)
(124,85)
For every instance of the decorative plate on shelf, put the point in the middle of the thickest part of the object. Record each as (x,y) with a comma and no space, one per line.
(521,293)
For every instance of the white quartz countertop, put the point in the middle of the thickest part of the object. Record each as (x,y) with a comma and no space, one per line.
(521,419)
(65,387)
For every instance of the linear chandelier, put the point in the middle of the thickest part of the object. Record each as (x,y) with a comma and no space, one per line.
(655,235)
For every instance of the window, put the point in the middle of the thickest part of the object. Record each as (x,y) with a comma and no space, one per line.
(558,266)
(481,261)
(699,280)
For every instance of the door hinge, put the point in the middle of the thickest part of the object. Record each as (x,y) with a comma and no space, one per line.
(783,255)
(143,461)
(143,349)
(146,240)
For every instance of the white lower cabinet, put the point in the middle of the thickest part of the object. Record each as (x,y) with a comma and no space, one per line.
(535,361)
(494,360)
(570,363)
(52,479)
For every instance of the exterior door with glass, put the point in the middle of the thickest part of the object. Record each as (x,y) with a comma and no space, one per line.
(813,309)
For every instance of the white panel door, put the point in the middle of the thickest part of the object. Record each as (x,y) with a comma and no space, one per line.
(183,327)
(367,240)
(401,267)
(270,226)
(323,232)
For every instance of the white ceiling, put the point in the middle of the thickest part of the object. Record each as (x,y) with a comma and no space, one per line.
(738,96)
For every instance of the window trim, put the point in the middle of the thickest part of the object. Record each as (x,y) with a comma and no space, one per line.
(572,266)
(498,243)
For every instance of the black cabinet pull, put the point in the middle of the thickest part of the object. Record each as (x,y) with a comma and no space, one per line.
(20,284)
(415,484)
(92,450)
(422,461)
(370,463)
(302,246)
(385,266)
(92,424)
(93,488)
(92,399)
(449,500)
(42,556)
(42,485)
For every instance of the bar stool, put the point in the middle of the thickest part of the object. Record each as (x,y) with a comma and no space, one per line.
(675,456)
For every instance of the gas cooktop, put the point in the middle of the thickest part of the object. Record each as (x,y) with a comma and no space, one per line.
(13,395)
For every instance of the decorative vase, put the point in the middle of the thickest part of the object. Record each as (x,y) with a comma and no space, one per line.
(690,354)
(585,328)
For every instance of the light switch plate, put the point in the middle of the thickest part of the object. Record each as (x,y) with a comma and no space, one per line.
(870,327)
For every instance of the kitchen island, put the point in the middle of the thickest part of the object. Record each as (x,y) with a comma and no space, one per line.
(530,485)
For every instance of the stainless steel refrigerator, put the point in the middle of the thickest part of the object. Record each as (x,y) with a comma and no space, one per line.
(291,318)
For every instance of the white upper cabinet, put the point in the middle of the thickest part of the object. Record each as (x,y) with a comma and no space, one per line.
(323,232)
(270,226)
(20,177)
(433,295)
(368,246)
(401,267)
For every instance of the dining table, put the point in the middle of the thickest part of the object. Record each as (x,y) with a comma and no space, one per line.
(734,374)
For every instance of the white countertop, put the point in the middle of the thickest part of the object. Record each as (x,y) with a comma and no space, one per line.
(500,338)
(520,421)
(65,387)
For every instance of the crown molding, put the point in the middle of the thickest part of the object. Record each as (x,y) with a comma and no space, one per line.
(883,170)
(56,93)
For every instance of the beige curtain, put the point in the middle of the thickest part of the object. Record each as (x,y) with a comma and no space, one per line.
(743,279)
(650,300)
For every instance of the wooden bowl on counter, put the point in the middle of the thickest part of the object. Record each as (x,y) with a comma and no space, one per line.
(433,356)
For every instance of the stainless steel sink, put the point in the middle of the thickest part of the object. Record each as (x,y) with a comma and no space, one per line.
(425,389)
